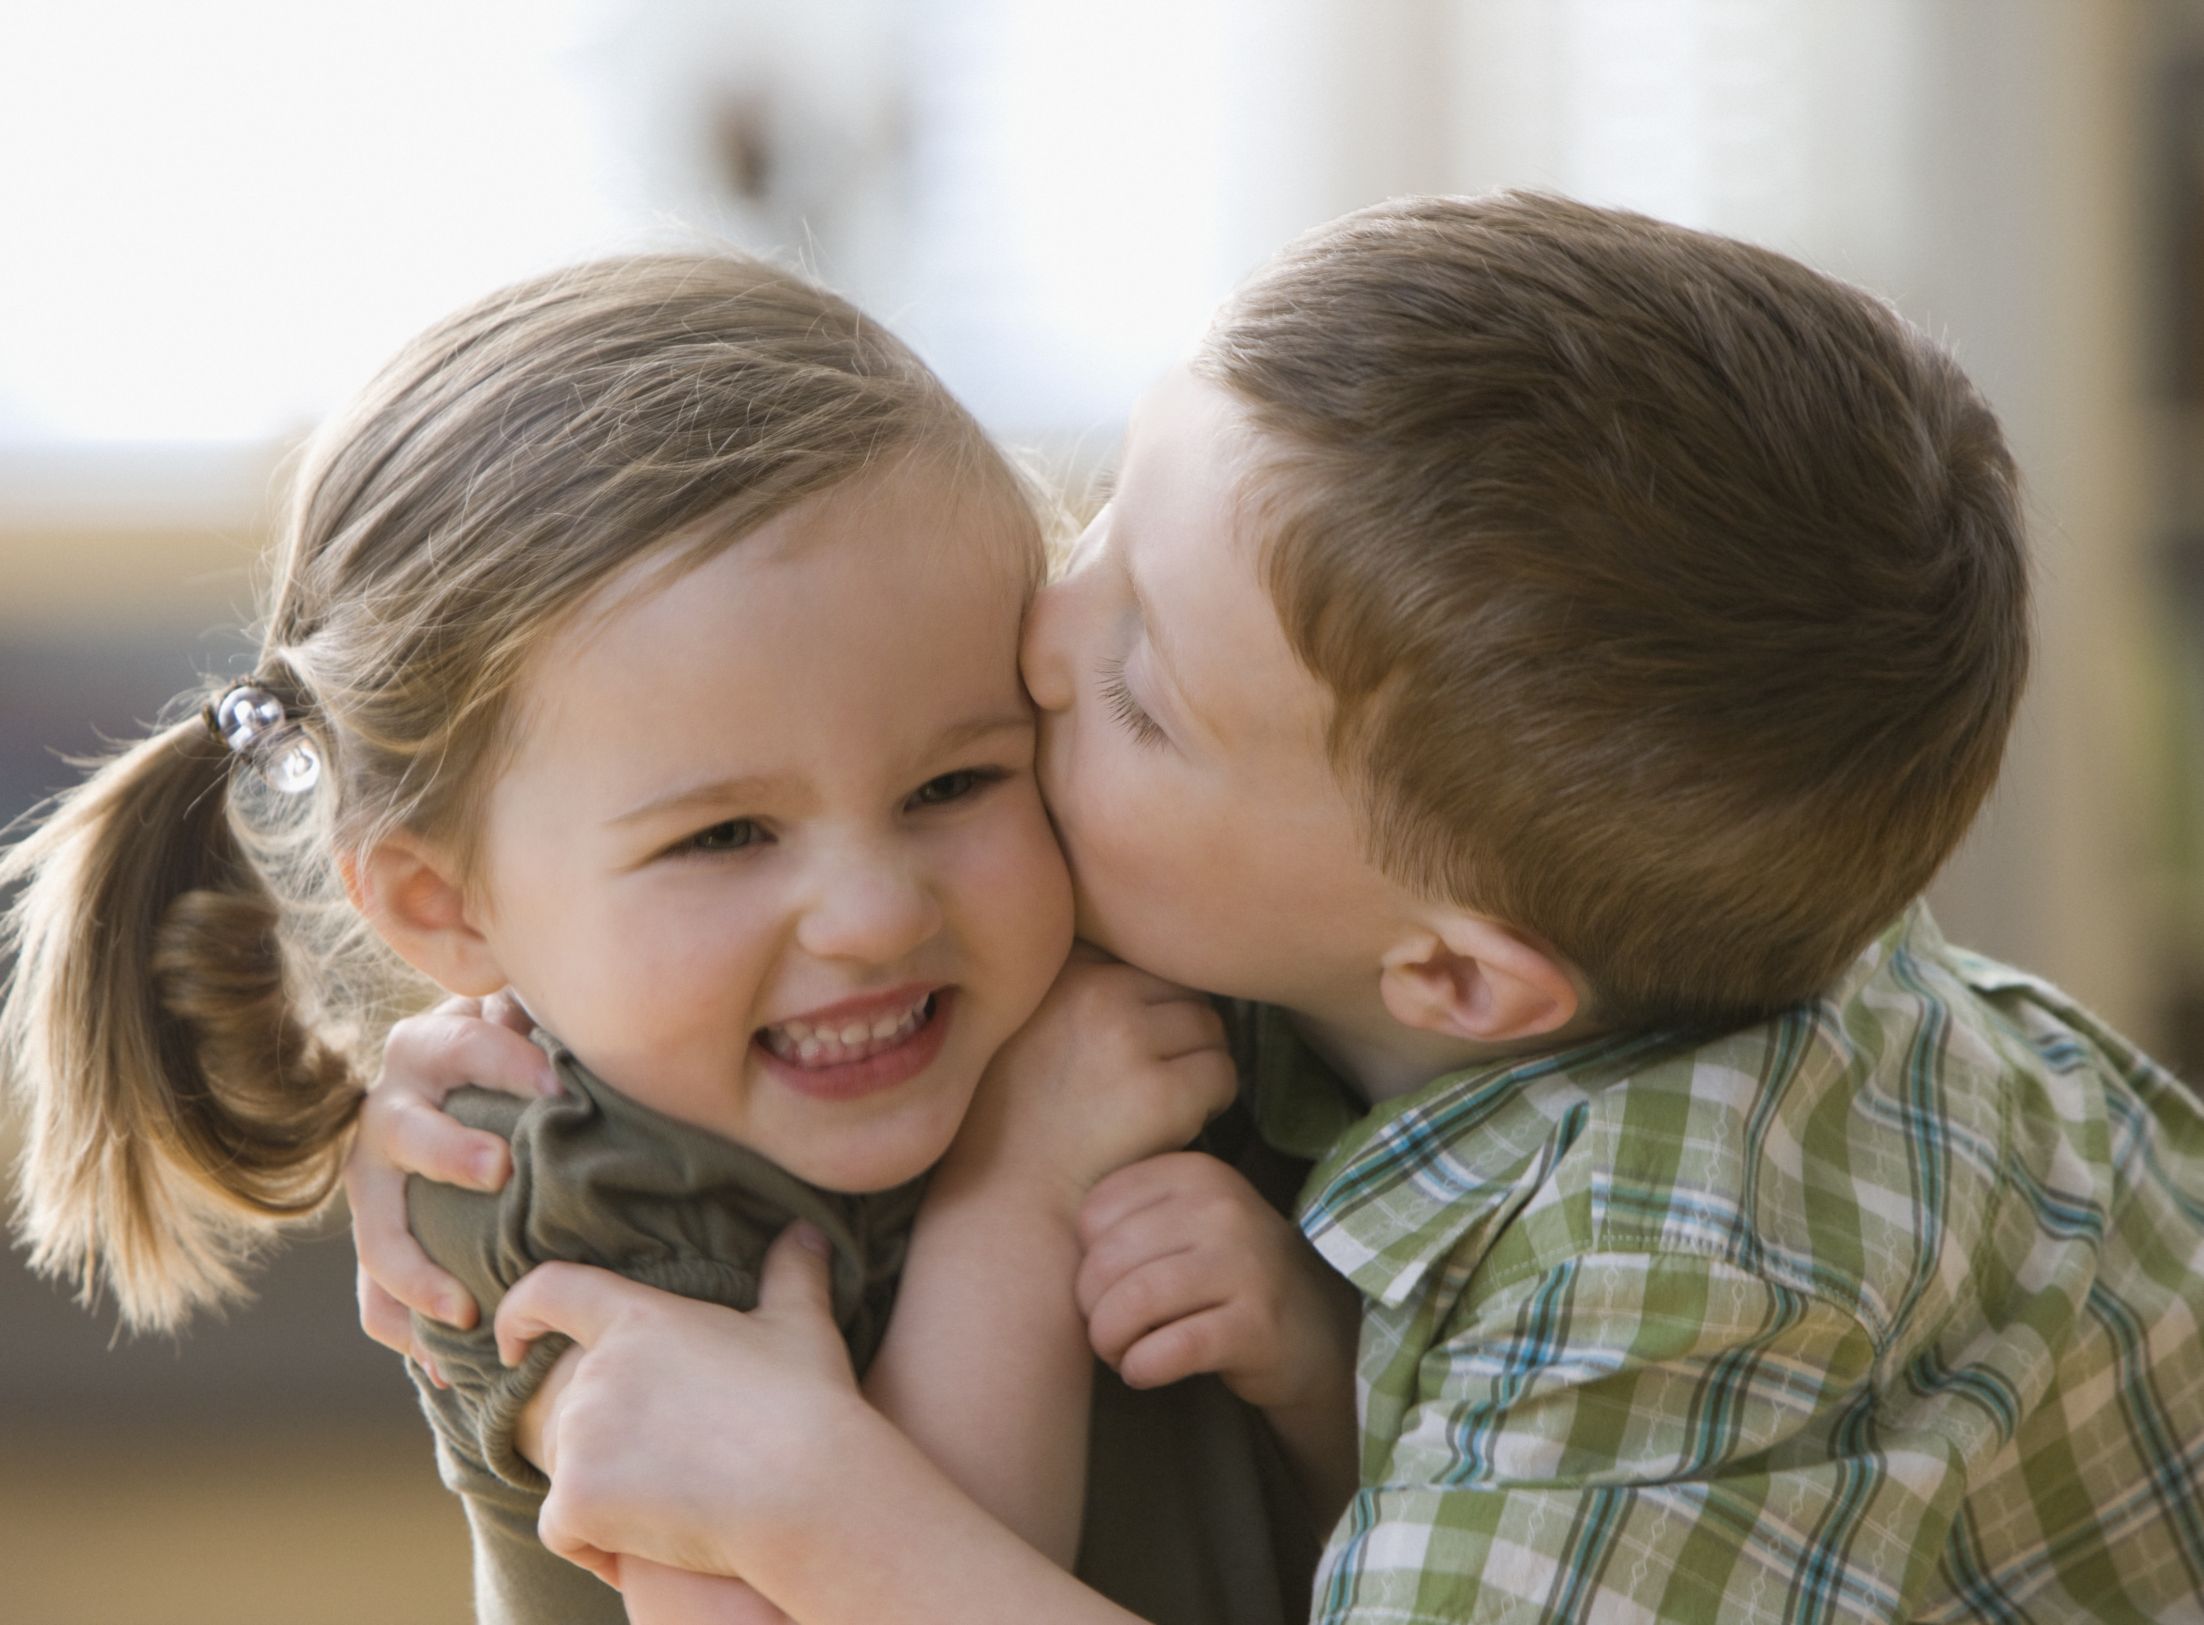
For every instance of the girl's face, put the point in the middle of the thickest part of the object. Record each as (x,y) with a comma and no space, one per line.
(770,857)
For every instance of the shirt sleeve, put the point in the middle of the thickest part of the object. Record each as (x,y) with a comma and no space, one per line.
(1637,1437)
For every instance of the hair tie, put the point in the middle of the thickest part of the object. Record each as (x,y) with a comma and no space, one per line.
(253,723)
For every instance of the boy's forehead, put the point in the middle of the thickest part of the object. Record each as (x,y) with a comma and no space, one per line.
(1185,535)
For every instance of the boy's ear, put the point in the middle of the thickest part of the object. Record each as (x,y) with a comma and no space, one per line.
(411,895)
(1464,976)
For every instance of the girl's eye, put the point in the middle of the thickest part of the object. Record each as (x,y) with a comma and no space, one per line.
(957,786)
(731,836)
(1124,707)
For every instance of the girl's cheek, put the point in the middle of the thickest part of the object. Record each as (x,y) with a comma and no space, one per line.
(1012,864)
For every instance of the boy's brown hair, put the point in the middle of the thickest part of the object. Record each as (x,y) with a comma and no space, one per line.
(1672,596)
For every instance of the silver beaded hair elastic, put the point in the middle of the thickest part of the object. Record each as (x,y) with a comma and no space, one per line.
(256,727)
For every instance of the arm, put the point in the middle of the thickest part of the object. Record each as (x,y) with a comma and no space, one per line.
(653,1593)
(827,1508)
(986,1366)
(1189,1269)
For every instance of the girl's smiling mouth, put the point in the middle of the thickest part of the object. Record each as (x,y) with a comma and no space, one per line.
(860,1046)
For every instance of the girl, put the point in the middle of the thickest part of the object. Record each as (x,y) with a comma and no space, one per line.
(644,640)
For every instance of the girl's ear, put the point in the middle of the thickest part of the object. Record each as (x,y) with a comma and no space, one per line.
(411,895)
(1464,976)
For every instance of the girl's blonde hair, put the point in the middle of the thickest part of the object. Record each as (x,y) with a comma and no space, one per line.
(194,1009)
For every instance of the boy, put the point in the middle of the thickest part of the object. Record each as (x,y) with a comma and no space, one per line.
(1544,654)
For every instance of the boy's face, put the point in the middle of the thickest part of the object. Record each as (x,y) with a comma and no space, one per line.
(1182,744)
(771,857)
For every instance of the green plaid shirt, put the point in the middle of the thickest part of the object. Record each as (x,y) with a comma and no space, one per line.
(1887,1308)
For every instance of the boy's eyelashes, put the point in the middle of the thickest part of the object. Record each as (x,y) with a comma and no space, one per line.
(1119,698)
(740,834)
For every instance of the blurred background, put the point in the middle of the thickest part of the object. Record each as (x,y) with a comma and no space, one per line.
(217,218)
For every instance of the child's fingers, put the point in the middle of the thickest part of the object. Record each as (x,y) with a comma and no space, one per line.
(1086,957)
(413,1134)
(1179,1349)
(383,1317)
(1147,1299)
(1117,1196)
(1179,1027)
(1154,989)
(504,1009)
(578,1301)
(431,1055)
(1208,1083)
(794,1278)
(392,1260)
(1150,1233)
(552,1528)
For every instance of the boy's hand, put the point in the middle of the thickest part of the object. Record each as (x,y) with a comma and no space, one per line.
(1114,1066)
(1188,1269)
(403,1130)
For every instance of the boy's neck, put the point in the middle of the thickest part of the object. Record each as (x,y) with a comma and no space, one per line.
(1384,1064)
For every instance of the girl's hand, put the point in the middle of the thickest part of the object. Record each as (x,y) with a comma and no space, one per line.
(1114,1066)
(689,1434)
(404,1130)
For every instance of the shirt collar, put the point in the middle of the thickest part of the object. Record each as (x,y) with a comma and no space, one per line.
(1398,1186)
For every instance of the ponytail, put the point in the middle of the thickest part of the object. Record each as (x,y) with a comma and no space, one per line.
(175,1100)
(193,1005)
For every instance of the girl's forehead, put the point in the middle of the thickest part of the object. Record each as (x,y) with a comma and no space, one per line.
(976,531)
(875,627)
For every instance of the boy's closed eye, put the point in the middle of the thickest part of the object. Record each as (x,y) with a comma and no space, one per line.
(1117,694)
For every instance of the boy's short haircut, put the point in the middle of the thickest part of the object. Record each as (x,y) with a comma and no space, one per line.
(1672,596)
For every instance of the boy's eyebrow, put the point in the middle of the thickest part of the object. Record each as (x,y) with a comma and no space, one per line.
(716,794)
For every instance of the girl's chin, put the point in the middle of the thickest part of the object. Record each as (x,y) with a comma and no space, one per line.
(886,1153)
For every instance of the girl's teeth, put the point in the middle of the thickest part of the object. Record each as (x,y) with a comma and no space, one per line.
(800,1041)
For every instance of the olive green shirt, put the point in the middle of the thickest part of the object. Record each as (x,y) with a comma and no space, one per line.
(601,1179)
(1192,1515)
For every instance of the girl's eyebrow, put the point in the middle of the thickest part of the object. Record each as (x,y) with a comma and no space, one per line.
(711,795)
(973,729)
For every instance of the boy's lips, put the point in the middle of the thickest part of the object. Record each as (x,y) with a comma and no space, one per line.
(858,1046)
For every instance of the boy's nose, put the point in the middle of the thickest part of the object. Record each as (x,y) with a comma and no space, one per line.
(1048,652)
(1043,658)
(870,910)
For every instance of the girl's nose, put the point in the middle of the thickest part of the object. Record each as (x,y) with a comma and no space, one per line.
(870,909)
